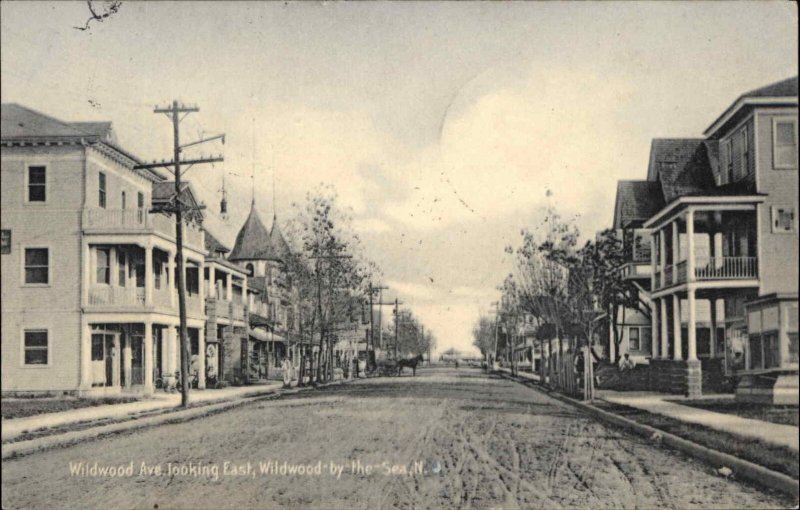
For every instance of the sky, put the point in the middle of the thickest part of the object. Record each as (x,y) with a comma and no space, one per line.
(442,125)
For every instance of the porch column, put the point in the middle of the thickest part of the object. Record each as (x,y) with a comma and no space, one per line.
(148,275)
(148,357)
(86,354)
(676,249)
(86,267)
(229,289)
(201,358)
(713,308)
(171,278)
(127,359)
(212,282)
(654,328)
(676,324)
(662,254)
(664,329)
(115,372)
(690,262)
(691,327)
(169,350)
(176,349)
(201,281)
(653,260)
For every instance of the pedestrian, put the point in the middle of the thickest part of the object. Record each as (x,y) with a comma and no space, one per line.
(287,372)
(626,363)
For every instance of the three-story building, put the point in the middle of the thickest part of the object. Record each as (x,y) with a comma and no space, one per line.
(88,294)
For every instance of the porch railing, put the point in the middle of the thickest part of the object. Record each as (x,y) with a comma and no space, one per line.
(726,268)
(668,272)
(104,295)
(138,221)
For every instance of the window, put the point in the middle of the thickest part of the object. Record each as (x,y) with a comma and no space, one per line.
(140,205)
(784,143)
(124,200)
(35,347)
(745,152)
(98,351)
(793,352)
(101,197)
(772,351)
(647,339)
(37,266)
(122,263)
(157,267)
(727,157)
(103,274)
(249,268)
(634,339)
(782,219)
(37,183)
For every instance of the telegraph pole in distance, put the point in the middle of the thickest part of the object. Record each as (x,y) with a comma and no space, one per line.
(174,113)
(396,327)
(372,290)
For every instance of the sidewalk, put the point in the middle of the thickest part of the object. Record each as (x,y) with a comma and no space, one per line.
(159,401)
(657,403)
(525,375)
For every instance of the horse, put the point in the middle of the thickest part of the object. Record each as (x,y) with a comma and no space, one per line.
(410,363)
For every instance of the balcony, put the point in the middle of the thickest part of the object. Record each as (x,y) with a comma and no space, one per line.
(138,221)
(710,269)
(105,295)
(726,268)
(225,309)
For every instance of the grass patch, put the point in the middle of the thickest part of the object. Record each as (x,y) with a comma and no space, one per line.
(776,458)
(24,407)
(782,415)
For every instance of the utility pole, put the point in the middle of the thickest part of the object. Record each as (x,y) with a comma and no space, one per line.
(174,113)
(371,290)
(396,326)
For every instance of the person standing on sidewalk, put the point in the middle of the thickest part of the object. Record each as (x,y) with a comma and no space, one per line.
(286,366)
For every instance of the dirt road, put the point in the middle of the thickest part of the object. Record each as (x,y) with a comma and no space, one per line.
(447,438)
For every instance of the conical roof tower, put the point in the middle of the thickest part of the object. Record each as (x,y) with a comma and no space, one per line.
(253,240)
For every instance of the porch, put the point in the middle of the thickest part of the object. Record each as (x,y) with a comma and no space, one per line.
(136,357)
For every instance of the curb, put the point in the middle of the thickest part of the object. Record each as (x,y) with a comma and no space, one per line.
(22,448)
(743,468)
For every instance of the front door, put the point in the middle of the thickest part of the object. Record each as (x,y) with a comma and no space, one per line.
(137,360)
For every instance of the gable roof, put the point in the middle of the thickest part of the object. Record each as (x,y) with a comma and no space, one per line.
(670,152)
(783,88)
(782,93)
(636,202)
(20,124)
(252,241)
(164,191)
(214,245)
